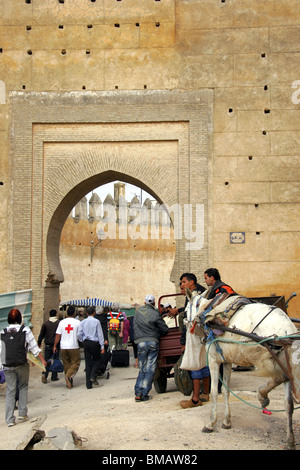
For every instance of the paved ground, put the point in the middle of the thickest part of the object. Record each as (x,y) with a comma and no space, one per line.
(107,418)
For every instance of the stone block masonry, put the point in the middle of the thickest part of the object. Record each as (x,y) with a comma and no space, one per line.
(132,69)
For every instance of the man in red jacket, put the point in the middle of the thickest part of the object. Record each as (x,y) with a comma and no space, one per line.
(217,286)
(213,280)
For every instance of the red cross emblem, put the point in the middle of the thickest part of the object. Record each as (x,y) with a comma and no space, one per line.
(69,328)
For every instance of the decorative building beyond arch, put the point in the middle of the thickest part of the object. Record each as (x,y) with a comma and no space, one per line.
(64,145)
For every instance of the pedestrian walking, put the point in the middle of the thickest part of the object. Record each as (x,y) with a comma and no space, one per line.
(47,334)
(148,328)
(91,335)
(16,340)
(66,334)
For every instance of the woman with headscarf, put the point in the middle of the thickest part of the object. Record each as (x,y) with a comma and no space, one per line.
(126,331)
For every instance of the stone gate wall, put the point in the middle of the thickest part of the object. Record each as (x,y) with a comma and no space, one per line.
(238,57)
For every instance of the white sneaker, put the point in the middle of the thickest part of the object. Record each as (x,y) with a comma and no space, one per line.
(22,418)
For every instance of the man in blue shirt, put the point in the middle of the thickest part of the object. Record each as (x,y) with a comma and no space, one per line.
(91,335)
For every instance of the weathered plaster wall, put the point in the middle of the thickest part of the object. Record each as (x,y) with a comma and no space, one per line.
(245,51)
(123,270)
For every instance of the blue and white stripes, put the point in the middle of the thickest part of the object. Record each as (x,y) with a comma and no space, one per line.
(88,302)
(22,300)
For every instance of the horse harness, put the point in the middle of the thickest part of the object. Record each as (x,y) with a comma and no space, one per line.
(273,345)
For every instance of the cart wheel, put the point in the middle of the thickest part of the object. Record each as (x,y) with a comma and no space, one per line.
(160,383)
(107,375)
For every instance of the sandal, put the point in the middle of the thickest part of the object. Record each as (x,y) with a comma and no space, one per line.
(204,397)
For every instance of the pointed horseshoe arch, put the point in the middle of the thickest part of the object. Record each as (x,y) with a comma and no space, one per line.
(63,145)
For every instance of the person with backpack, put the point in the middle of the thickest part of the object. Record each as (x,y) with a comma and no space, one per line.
(115,320)
(16,341)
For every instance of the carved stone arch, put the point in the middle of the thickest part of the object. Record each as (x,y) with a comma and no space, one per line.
(63,145)
(55,273)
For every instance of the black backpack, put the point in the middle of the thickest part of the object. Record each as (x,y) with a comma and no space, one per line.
(13,349)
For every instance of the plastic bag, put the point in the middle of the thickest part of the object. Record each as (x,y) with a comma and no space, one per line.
(194,357)
(54,364)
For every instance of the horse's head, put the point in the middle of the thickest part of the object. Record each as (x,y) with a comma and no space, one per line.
(191,293)
(195,306)
(196,301)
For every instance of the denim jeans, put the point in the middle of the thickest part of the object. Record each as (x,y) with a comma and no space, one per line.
(147,352)
(200,374)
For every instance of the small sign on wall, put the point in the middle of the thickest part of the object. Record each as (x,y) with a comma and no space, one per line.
(237,238)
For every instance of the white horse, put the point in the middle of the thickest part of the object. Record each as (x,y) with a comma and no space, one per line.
(230,348)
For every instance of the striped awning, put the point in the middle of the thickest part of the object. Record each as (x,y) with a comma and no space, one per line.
(88,302)
(22,300)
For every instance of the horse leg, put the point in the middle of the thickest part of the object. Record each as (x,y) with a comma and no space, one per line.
(214,376)
(289,412)
(265,389)
(225,389)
